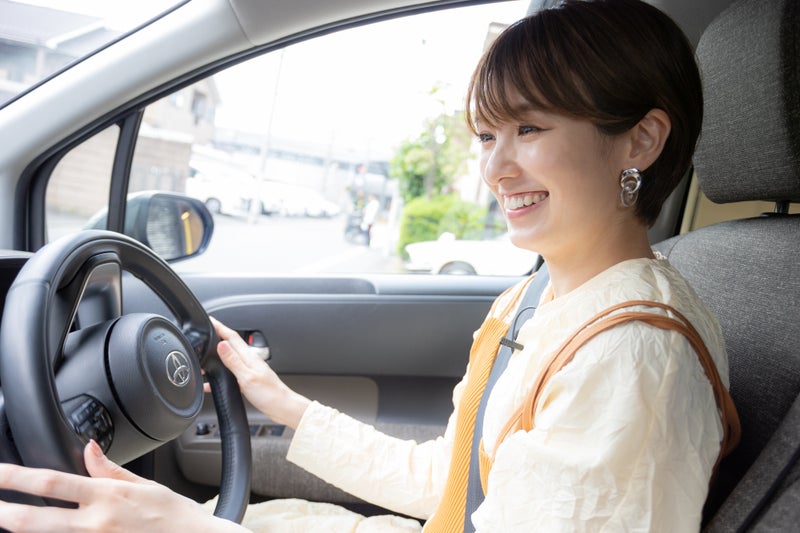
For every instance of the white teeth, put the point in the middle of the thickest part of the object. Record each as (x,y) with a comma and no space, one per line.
(516,202)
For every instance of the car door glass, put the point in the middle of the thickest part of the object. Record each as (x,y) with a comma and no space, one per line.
(337,153)
(78,189)
(57,33)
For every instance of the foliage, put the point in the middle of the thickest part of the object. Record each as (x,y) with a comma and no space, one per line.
(425,219)
(428,164)
(411,165)
(426,168)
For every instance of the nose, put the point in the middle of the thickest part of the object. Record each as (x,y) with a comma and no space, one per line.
(500,161)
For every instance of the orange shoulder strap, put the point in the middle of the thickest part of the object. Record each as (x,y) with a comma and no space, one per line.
(449,515)
(523,416)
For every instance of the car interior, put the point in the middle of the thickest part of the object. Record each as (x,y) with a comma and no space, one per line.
(741,268)
(385,348)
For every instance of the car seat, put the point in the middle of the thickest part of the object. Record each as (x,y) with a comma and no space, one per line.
(747,270)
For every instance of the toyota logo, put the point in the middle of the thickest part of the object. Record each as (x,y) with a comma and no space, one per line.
(178,370)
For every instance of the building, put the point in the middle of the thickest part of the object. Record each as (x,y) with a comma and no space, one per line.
(38,41)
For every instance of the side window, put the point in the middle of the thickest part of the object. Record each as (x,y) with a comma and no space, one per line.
(327,156)
(77,192)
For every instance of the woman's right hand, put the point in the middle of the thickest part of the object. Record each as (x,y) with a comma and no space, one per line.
(258,382)
(113,500)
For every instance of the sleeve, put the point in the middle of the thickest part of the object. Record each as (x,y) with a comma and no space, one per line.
(401,475)
(397,474)
(625,438)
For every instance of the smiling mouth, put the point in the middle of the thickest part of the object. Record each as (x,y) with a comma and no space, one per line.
(523,200)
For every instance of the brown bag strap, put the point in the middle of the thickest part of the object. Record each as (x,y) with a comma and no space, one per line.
(523,416)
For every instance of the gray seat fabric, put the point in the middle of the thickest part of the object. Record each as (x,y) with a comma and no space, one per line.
(743,271)
(749,59)
(748,271)
(778,459)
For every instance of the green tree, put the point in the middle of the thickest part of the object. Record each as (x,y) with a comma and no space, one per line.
(426,166)
(429,164)
(411,165)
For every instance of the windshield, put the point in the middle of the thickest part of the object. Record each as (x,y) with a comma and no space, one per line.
(40,37)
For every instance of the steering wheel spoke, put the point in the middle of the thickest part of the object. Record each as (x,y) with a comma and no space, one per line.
(101,298)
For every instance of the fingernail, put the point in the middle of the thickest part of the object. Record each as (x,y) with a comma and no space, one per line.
(95,448)
(223,348)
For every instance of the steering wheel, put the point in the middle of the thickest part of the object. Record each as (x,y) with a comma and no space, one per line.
(74,367)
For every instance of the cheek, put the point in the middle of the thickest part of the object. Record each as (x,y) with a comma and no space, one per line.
(497,198)
(483,161)
(482,164)
(593,198)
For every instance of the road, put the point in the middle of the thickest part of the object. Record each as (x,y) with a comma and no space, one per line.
(275,244)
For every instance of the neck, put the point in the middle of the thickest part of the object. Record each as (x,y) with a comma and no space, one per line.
(572,268)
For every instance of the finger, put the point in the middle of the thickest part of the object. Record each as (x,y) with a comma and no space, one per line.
(246,367)
(45,482)
(222,330)
(233,359)
(227,334)
(33,519)
(99,465)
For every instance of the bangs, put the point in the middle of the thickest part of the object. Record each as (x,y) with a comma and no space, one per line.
(507,71)
(550,64)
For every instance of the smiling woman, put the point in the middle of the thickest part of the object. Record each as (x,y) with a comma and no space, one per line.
(619,348)
(593,395)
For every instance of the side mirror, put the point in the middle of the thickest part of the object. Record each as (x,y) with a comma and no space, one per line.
(174,226)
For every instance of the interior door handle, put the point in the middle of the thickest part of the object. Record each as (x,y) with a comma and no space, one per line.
(258,343)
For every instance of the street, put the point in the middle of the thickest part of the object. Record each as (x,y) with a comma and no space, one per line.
(276,245)
(287,245)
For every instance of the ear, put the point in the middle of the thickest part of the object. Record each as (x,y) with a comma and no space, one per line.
(647,138)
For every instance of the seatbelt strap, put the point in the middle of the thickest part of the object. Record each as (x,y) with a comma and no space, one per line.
(525,310)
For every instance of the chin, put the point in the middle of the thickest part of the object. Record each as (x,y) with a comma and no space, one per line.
(523,239)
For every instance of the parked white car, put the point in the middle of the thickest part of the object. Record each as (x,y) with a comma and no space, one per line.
(295,201)
(448,255)
(223,191)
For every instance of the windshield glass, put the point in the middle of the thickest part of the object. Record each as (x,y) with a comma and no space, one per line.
(40,37)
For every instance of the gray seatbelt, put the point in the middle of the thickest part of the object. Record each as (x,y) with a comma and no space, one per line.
(525,311)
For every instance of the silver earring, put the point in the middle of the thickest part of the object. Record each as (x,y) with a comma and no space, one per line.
(630,181)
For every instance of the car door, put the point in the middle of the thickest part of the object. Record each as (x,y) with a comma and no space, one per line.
(369,113)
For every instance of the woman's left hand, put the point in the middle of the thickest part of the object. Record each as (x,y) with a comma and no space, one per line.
(257,381)
(111,500)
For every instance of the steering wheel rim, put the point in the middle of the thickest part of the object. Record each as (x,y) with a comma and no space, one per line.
(41,307)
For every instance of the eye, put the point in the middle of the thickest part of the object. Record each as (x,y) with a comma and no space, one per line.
(484,137)
(527,130)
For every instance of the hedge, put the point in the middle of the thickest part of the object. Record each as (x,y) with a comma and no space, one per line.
(425,219)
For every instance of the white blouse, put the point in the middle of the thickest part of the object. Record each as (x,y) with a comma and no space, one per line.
(625,437)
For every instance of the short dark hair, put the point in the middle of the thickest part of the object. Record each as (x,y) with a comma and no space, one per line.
(608,61)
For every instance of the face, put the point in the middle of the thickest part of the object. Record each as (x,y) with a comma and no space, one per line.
(556,179)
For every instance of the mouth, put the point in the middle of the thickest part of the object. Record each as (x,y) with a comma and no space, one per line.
(521,201)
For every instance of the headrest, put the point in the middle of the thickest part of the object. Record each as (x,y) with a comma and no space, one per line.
(749,148)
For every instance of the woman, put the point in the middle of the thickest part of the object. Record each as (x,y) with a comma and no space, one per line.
(587,116)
